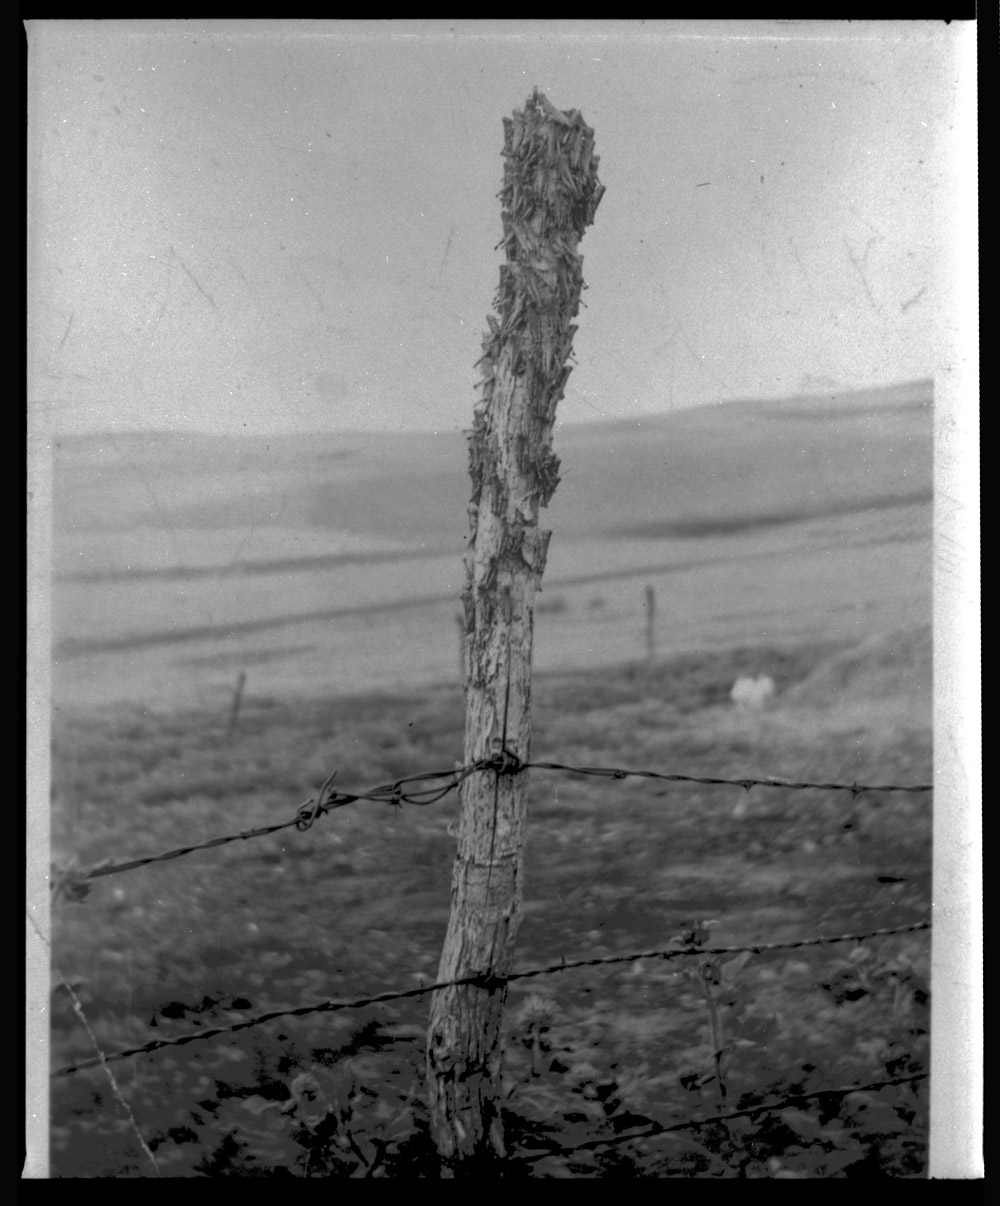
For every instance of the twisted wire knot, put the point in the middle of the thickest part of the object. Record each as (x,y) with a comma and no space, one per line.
(504,762)
(316,807)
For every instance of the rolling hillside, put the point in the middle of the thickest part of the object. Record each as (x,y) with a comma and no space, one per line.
(693,472)
(337,559)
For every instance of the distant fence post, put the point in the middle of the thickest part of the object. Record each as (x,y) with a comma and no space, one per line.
(234,709)
(549,197)
(650,624)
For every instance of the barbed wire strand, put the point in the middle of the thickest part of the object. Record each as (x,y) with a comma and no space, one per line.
(101,1059)
(316,806)
(747,783)
(505,763)
(766,1107)
(489,981)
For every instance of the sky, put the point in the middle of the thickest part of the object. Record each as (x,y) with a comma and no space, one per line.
(287,226)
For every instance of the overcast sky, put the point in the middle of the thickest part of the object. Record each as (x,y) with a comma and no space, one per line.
(290,225)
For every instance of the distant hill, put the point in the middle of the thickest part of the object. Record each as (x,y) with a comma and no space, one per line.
(722,467)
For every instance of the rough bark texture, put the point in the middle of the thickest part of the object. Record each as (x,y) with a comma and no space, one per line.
(549,196)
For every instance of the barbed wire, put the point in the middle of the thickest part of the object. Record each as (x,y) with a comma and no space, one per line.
(73,882)
(491,981)
(767,1107)
(746,783)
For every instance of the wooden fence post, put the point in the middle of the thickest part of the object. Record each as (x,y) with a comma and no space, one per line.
(234,708)
(549,196)
(650,625)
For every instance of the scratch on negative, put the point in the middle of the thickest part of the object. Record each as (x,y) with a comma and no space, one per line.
(194,280)
(447,248)
(62,341)
(860,265)
(914,299)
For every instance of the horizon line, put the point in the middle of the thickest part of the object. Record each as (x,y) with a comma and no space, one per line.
(831,393)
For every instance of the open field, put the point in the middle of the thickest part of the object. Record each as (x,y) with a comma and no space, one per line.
(332,564)
(358,905)
(787,539)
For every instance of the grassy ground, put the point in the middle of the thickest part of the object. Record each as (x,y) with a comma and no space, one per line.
(358,905)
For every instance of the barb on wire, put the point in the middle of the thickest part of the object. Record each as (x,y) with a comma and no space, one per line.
(491,982)
(765,1107)
(313,808)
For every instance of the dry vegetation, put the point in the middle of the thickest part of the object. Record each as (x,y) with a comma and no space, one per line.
(358,905)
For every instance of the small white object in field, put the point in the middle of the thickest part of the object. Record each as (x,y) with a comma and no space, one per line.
(752,692)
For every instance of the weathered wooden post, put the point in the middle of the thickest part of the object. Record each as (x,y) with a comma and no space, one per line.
(549,196)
